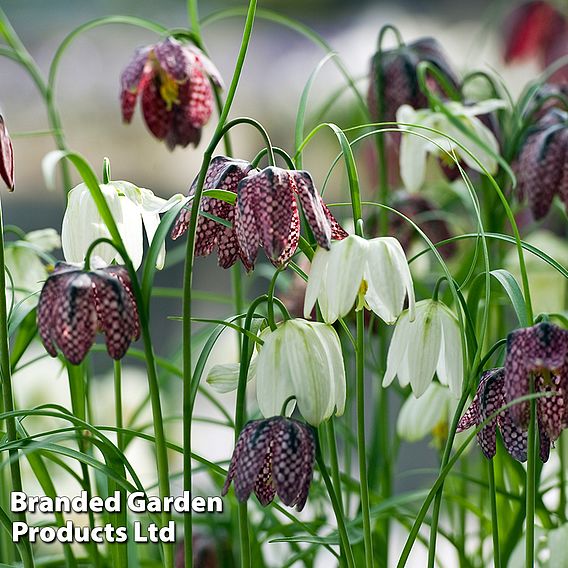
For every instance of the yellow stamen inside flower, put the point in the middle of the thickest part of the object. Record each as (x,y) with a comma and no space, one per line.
(361,295)
(440,434)
(169,89)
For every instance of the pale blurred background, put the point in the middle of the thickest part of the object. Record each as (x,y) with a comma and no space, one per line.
(277,67)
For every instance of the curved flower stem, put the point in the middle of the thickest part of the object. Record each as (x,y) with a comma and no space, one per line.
(7,395)
(118,405)
(336,504)
(494,516)
(187,284)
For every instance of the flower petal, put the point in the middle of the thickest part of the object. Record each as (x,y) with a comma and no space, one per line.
(450,363)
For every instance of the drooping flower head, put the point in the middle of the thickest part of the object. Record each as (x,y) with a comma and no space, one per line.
(223,173)
(536,29)
(395,71)
(75,304)
(430,343)
(540,351)
(172,80)
(301,359)
(488,399)
(267,214)
(272,457)
(540,163)
(374,272)
(6,156)
(132,207)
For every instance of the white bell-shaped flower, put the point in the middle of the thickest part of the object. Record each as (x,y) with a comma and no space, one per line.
(373,271)
(301,359)
(417,143)
(429,344)
(131,207)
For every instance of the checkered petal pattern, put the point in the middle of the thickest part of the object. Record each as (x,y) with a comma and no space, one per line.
(541,349)
(169,69)
(273,456)
(396,70)
(6,156)
(74,304)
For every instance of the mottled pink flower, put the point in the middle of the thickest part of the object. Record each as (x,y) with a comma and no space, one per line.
(273,457)
(540,351)
(267,214)
(74,304)
(6,156)
(172,80)
(223,173)
(395,70)
(540,165)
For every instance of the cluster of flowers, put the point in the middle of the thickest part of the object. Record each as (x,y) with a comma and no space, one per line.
(276,455)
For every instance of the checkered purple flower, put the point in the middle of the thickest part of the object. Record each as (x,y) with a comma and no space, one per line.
(172,80)
(74,304)
(540,164)
(6,156)
(223,173)
(273,457)
(267,214)
(489,398)
(540,351)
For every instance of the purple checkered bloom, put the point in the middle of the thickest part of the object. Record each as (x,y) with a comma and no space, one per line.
(273,457)
(488,399)
(267,214)
(74,304)
(223,173)
(6,156)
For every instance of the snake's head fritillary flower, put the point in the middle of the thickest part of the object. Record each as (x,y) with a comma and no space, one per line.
(430,343)
(418,144)
(272,457)
(223,173)
(267,214)
(540,351)
(132,207)
(76,303)
(533,29)
(488,399)
(6,156)
(173,81)
(540,164)
(395,71)
(372,272)
(302,359)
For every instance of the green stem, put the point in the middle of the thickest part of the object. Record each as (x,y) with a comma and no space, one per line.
(7,394)
(337,508)
(361,445)
(531,483)
(118,405)
(188,275)
(494,516)
(333,459)
(562,502)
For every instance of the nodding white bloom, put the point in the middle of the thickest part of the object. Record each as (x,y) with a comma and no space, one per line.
(301,359)
(374,272)
(23,261)
(429,414)
(131,207)
(417,143)
(429,344)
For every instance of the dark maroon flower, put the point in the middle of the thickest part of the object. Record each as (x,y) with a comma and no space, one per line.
(172,79)
(74,304)
(6,156)
(540,351)
(540,165)
(267,214)
(273,457)
(223,173)
(395,71)
(533,29)
(488,399)
(423,213)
